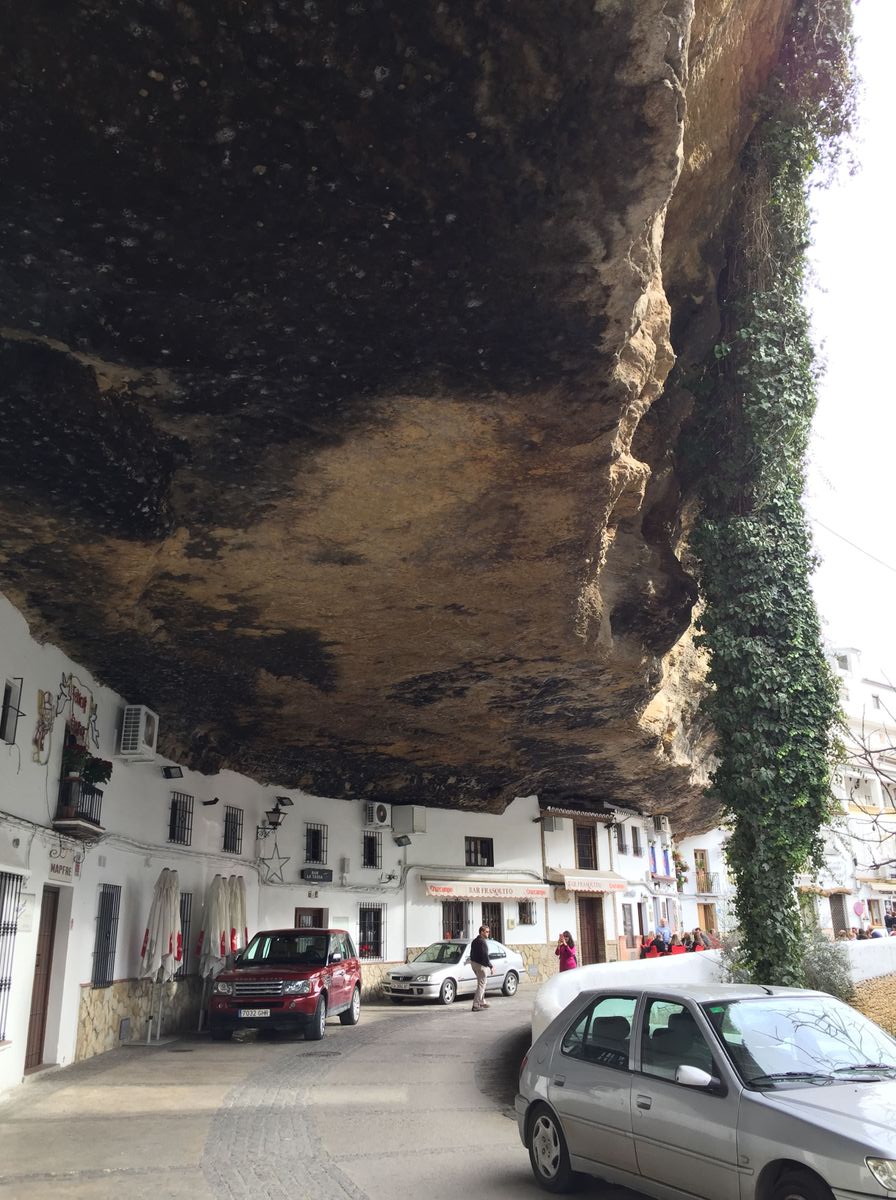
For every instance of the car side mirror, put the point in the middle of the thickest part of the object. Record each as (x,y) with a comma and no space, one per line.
(336,958)
(466,960)
(237,958)
(694,1077)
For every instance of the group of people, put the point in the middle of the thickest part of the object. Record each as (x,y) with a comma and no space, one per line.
(664,941)
(859,935)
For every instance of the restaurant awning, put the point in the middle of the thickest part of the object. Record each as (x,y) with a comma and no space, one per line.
(486,889)
(590,881)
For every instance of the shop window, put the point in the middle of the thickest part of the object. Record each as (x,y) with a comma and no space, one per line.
(106,935)
(372,849)
(480,852)
(315,843)
(180,819)
(586,848)
(233,830)
(527,912)
(372,931)
(10,898)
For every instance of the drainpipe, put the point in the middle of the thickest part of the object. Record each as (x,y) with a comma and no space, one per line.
(544,873)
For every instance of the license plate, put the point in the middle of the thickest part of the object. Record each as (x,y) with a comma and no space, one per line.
(400,987)
(255,1012)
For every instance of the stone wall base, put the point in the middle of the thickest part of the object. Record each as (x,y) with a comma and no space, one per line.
(876,998)
(101,1011)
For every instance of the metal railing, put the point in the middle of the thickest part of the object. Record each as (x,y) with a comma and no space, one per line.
(79,801)
(707,882)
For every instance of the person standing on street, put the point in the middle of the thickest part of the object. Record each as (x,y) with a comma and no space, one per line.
(482,967)
(566,951)
(665,933)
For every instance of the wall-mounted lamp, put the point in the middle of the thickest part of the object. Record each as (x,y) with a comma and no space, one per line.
(209,803)
(273,819)
(402,839)
(283,801)
(173,772)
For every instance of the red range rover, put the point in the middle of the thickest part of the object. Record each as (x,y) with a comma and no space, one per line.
(288,979)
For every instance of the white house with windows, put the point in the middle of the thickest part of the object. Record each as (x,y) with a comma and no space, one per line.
(706,893)
(857,884)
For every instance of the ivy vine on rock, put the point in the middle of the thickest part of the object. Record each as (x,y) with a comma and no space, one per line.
(772,698)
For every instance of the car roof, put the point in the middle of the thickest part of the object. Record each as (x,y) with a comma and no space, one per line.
(295,929)
(707,993)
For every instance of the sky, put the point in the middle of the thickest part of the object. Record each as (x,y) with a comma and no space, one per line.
(850,487)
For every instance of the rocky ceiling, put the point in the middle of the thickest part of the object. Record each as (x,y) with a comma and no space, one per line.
(333,421)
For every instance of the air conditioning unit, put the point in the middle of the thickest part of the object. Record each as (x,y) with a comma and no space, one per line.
(139,733)
(661,825)
(553,824)
(377,815)
(408,818)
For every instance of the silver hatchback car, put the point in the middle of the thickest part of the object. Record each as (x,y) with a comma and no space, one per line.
(726,1092)
(443,972)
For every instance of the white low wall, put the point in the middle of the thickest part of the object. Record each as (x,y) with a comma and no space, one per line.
(552,997)
(868,960)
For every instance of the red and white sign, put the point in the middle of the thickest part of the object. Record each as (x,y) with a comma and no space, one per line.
(594,883)
(464,889)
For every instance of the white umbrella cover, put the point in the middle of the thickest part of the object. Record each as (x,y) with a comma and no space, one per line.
(214,939)
(242,927)
(151,951)
(172,945)
(236,907)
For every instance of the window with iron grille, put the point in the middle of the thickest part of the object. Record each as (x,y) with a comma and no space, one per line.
(180,819)
(10,713)
(315,843)
(586,848)
(186,914)
(456,918)
(372,931)
(480,852)
(636,840)
(106,935)
(372,849)
(527,912)
(621,844)
(233,830)
(10,897)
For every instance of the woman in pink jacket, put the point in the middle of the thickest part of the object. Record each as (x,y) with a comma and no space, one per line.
(566,951)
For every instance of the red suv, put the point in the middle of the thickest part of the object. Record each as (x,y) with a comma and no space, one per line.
(288,979)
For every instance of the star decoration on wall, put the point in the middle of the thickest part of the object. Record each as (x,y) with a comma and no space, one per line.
(272,866)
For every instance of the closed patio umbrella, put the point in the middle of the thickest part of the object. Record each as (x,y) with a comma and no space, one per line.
(236,905)
(162,949)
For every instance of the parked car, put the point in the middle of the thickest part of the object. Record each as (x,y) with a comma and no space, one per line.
(288,979)
(442,972)
(722,1092)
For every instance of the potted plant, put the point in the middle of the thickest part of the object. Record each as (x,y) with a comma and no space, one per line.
(95,771)
(74,756)
(681,870)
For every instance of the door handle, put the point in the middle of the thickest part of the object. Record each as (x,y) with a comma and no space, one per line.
(643,1101)
(559,1080)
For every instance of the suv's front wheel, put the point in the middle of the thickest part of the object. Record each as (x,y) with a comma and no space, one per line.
(352,1014)
(315,1030)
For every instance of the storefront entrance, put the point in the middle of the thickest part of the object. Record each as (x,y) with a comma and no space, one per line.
(493,917)
(839,918)
(43,970)
(592,946)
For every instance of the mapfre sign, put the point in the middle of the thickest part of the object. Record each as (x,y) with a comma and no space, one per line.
(462,889)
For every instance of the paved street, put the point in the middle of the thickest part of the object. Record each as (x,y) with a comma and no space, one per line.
(413,1101)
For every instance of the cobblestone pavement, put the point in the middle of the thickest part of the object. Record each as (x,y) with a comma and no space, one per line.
(414,1100)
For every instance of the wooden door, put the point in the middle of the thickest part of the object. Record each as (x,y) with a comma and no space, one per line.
(493,917)
(310,918)
(591,947)
(43,970)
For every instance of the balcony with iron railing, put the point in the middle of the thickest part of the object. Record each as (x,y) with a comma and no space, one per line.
(707,883)
(78,811)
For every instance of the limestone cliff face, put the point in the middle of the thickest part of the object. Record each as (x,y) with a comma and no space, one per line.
(334,421)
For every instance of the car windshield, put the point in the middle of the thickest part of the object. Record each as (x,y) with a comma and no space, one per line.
(442,952)
(790,1039)
(298,949)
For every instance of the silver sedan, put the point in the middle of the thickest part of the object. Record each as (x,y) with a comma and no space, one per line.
(443,972)
(725,1092)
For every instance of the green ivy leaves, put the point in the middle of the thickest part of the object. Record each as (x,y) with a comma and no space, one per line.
(772,698)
